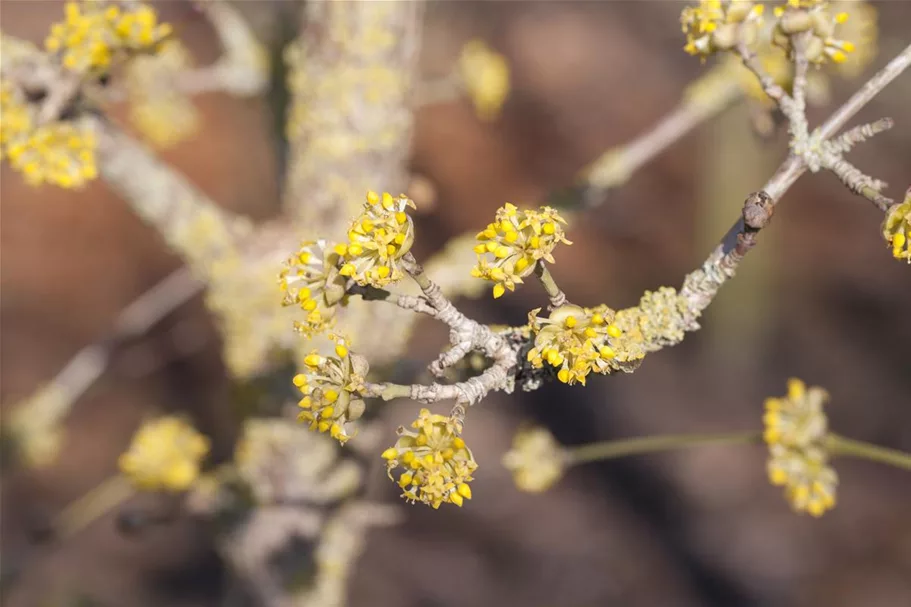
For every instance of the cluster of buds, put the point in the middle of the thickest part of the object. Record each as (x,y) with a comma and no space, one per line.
(897,229)
(377,240)
(719,25)
(94,32)
(576,341)
(438,466)
(165,455)
(796,430)
(515,243)
(311,279)
(819,22)
(332,388)
(59,152)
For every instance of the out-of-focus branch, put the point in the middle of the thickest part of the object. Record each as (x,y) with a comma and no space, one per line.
(36,423)
(705,98)
(349,124)
(205,235)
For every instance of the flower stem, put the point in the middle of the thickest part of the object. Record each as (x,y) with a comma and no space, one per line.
(557,297)
(839,445)
(653,444)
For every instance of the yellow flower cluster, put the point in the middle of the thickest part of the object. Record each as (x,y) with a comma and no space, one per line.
(332,387)
(511,246)
(377,239)
(485,76)
(60,153)
(719,25)
(438,465)
(94,32)
(311,279)
(897,229)
(820,22)
(164,455)
(795,430)
(163,114)
(536,460)
(577,341)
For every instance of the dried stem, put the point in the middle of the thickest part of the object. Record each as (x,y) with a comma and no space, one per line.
(557,297)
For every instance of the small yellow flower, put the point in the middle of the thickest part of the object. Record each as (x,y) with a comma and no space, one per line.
(377,239)
(165,455)
(437,464)
(512,246)
(536,460)
(796,430)
(718,25)
(576,341)
(332,386)
(61,153)
(485,75)
(897,229)
(93,34)
(311,279)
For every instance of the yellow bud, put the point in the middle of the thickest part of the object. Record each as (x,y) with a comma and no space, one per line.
(456,499)
(848,47)
(373,197)
(405,479)
(401,217)
(535,242)
(606,352)
(309,305)
(614,331)
(511,237)
(367,226)
(563,375)
(570,322)
(841,18)
(428,459)
(354,249)
(498,291)
(390,453)
(421,440)
(331,396)
(313,360)
(388,201)
(383,271)
(464,490)
(458,443)
(327,412)
(341,351)
(480,249)
(299,380)
(340,249)
(390,250)
(408,457)
(502,252)
(548,228)
(347,270)
(305,403)
(521,264)
(335,430)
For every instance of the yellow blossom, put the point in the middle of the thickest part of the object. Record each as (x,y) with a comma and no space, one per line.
(485,75)
(332,386)
(377,239)
(311,279)
(897,229)
(511,247)
(93,33)
(61,153)
(536,460)
(437,464)
(796,430)
(165,455)
(718,25)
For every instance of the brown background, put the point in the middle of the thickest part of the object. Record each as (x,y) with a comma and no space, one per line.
(820,299)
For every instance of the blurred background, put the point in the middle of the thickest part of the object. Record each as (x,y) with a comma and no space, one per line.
(820,298)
